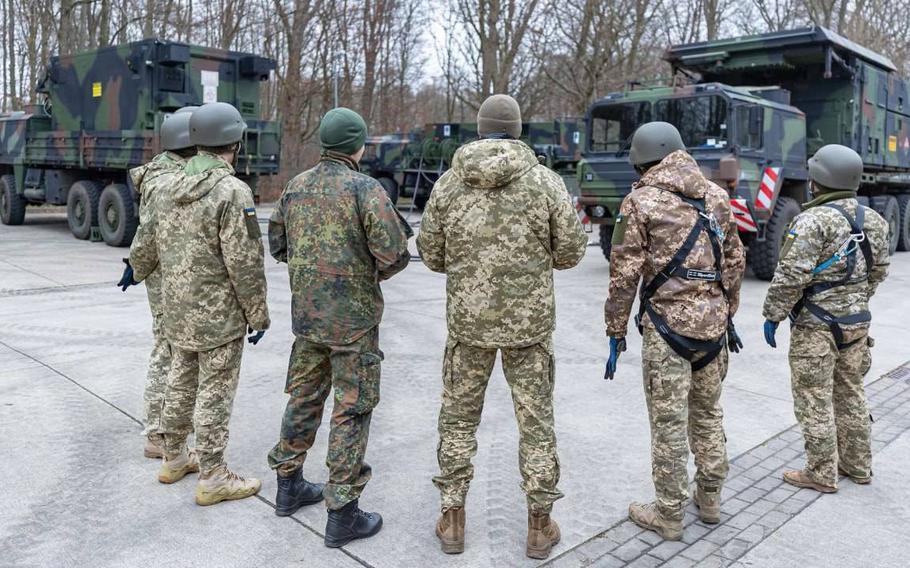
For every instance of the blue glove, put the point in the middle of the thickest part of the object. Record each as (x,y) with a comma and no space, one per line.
(255,337)
(127,279)
(617,346)
(770,330)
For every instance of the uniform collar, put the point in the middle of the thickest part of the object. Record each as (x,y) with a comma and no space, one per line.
(828,197)
(338,157)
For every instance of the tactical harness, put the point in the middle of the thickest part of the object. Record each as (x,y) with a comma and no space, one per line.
(858,236)
(687,347)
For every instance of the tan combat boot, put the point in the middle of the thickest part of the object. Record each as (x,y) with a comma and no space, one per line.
(174,469)
(450,530)
(154,447)
(223,484)
(707,499)
(543,534)
(801,479)
(648,517)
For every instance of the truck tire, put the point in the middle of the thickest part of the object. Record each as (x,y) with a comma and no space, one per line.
(82,208)
(606,236)
(12,205)
(903,234)
(764,255)
(117,215)
(390,187)
(887,207)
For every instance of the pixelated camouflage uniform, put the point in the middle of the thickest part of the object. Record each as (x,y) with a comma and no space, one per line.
(681,403)
(340,235)
(497,224)
(828,396)
(206,238)
(151,180)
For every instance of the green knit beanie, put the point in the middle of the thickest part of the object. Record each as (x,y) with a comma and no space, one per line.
(342,130)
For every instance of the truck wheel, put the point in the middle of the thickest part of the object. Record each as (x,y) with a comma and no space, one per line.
(12,206)
(82,208)
(903,234)
(887,207)
(117,215)
(606,236)
(390,187)
(764,255)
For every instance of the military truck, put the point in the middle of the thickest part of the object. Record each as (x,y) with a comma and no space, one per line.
(99,116)
(756,108)
(410,165)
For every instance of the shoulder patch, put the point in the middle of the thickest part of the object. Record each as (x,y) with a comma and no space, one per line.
(788,242)
(619,230)
(252,223)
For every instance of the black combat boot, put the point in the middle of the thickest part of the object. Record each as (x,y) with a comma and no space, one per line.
(294,492)
(350,523)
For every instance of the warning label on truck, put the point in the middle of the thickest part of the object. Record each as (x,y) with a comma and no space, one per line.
(892,144)
(209,80)
(96,90)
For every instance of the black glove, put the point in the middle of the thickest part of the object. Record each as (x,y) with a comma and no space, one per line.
(127,279)
(734,343)
(254,337)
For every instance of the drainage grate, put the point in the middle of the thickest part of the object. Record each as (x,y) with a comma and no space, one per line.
(902,372)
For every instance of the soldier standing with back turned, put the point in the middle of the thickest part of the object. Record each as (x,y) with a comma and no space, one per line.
(833,259)
(151,181)
(497,224)
(676,233)
(205,235)
(340,236)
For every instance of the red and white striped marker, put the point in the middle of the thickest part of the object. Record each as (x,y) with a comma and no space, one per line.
(766,189)
(582,214)
(744,220)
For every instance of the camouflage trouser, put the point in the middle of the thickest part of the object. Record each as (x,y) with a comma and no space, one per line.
(155,381)
(530,373)
(200,390)
(830,403)
(681,405)
(354,371)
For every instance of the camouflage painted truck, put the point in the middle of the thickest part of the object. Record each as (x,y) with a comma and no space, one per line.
(99,117)
(759,106)
(409,165)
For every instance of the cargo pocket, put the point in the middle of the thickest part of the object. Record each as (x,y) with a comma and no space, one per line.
(227,356)
(451,344)
(368,375)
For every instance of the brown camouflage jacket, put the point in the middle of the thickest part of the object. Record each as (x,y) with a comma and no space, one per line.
(814,236)
(205,235)
(151,180)
(497,224)
(653,225)
(340,235)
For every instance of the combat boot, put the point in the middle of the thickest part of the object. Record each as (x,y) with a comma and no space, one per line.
(648,517)
(856,480)
(350,523)
(154,447)
(294,492)
(801,479)
(707,499)
(223,484)
(450,530)
(174,469)
(543,534)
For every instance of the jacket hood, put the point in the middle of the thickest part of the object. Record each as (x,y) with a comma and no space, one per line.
(679,173)
(493,163)
(202,172)
(162,163)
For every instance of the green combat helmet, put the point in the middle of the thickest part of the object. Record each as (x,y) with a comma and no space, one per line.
(836,167)
(216,124)
(175,132)
(653,142)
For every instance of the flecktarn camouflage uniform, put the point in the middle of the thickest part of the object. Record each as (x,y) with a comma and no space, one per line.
(206,238)
(653,226)
(340,236)
(151,180)
(497,224)
(827,383)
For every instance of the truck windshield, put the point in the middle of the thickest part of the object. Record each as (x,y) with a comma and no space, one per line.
(612,125)
(702,121)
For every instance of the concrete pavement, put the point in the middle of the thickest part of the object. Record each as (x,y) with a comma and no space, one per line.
(73,350)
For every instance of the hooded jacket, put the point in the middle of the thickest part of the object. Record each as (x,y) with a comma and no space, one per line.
(497,224)
(653,224)
(151,180)
(205,237)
